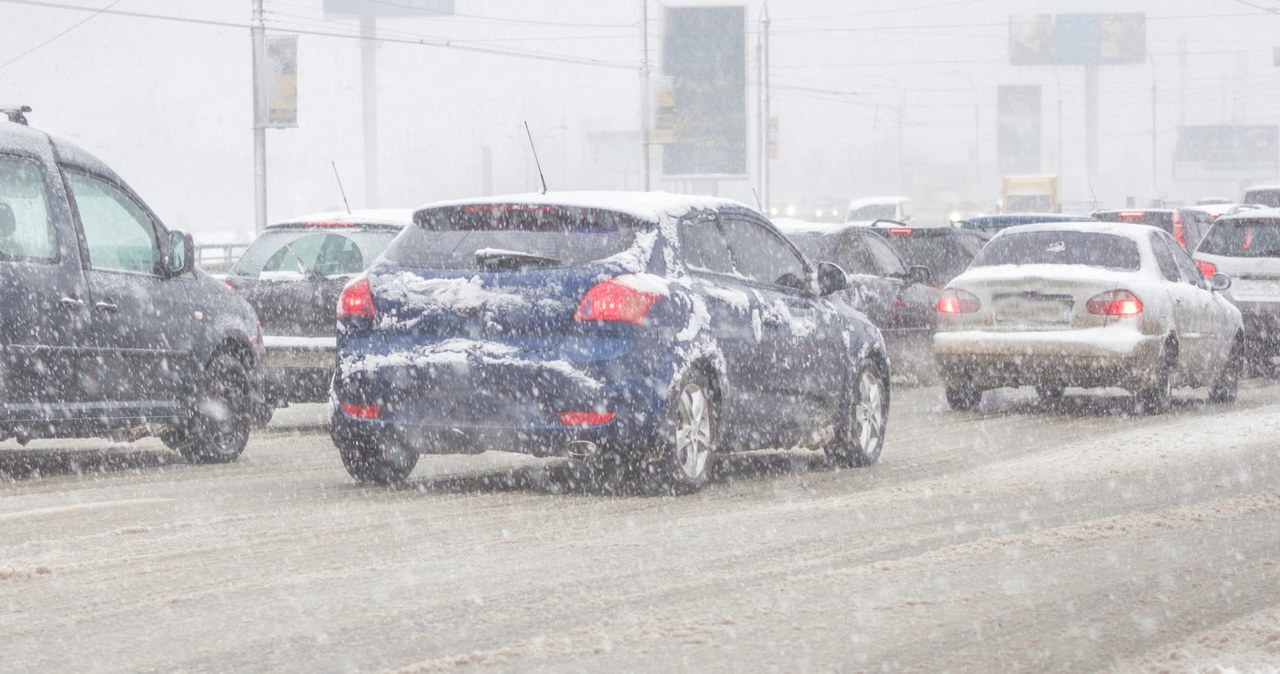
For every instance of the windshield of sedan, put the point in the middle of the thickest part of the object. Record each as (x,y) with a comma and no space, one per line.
(512,236)
(1089,249)
(293,253)
(1243,238)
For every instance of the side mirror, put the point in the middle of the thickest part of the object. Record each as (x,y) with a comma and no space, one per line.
(831,278)
(182,254)
(1219,282)
(920,274)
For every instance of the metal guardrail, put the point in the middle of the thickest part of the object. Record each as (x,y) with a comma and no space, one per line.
(217,258)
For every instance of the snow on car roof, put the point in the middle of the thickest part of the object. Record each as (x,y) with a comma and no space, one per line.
(647,206)
(876,201)
(1128,230)
(371,216)
(1253,214)
(794,226)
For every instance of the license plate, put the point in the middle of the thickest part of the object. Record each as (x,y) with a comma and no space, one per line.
(1023,309)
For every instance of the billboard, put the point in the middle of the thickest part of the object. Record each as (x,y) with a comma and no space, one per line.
(282,81)
(1077,39)
(705,52)
(404,8)
(1018,129)
(1227,151)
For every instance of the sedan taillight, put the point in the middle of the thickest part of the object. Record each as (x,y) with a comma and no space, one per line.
(357,300)
(614,301)
(954,301)
(1114,303)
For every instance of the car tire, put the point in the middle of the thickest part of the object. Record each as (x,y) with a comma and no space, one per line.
(1156,398)
(1227,384)
(963,397)
(221,420)
(866,414)
(262,413)
(1050,390)
(688,440)
(370,461)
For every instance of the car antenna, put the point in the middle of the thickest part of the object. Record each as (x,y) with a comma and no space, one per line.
(16,115)
(340,189)
(1096,204)
(759,206)
(535,157)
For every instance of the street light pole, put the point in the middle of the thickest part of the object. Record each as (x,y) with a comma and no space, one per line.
(645,102)
(257,32)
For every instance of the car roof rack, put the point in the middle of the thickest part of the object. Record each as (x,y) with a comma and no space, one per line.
(16,113)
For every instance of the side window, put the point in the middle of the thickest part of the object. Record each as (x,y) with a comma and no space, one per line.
(1164,259)
(703,246)
(885,259)
(1190,270)
(761,255)
(119,234)
(26,229)
(854,257)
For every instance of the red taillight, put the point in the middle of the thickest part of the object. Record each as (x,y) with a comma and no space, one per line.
(1115,303)
(357,300)
(586,418)
(1178,232)
(1207,268)
(230,286)
(613,301)
(362,411)
(955,301)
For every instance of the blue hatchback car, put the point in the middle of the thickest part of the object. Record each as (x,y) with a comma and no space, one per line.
(643,330)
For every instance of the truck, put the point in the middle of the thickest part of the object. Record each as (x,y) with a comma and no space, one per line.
(1029,194)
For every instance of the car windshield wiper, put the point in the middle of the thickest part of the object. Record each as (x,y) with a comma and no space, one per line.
(496,259)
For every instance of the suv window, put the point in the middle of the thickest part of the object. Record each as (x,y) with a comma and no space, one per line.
(26,230)
(119,234)
(1164,259)
(885,259)
(704,246)
(1243,238)
(763,256)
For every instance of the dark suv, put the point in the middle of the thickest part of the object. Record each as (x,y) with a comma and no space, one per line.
(106,327)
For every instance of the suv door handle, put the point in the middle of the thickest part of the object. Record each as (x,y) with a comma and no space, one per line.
(71,303)
(106,306)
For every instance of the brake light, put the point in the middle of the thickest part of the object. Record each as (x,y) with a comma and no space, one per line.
(1114,303)
(357,300)
(1131,216)
(230,286)
(1178,232)
(362,411)
(586,418)
(1207,268)
(954,301)
(613,301)
(900,231)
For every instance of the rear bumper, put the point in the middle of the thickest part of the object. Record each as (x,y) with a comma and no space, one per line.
(468,403)
(1089,358)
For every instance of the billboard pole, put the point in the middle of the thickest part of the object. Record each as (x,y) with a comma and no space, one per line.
(764,82)
(645,94)
(258,34)
(1091,120)
(369,102)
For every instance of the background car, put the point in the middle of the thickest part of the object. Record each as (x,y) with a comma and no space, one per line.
(292,275)
(1246,247)
(634,332)
(946,251)
(995,223)
(108,329)
(1263,195)
(1091,305)
(894,296)
(1186,225)
(867,210)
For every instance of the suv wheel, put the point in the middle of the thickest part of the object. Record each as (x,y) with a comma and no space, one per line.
(962,397)
(219,428)
(370,461)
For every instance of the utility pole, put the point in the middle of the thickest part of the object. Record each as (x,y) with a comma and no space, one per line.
(764,83)
(1091,122)
(258,34)
(645,103)
(369,100)
(1154,137)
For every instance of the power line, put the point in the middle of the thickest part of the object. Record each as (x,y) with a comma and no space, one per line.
(425,41)
(70,28)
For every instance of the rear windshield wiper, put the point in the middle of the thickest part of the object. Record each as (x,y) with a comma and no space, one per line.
(503,260)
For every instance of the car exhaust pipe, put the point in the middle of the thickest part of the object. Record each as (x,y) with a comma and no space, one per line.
(581,449)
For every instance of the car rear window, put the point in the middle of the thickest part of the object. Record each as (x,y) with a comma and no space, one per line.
(1243,238)
(294,252)
(512,236)
(1263,197)
(1089,249)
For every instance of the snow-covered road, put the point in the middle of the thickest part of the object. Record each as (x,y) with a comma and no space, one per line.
(1015,538)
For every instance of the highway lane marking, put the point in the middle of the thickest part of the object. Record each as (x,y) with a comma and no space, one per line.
(97,505)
